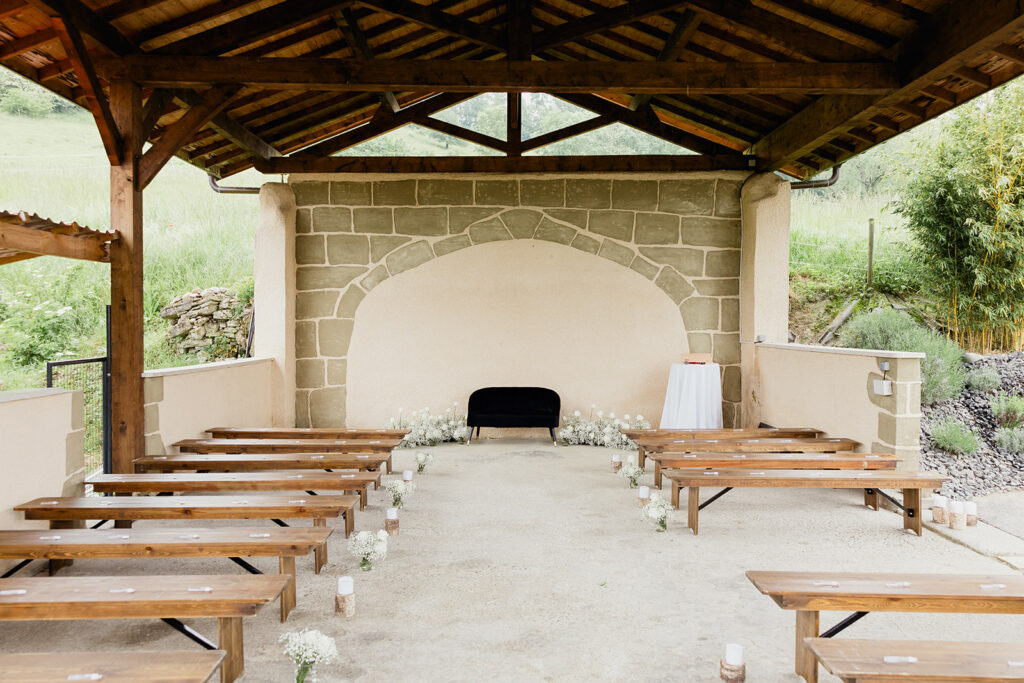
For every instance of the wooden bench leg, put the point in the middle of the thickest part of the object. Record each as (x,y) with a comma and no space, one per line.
(912,510)
(123,524)
(871,498)
(362,498)
(320,553)
(692,508)
(675,495)
(806,662)
(390,469)
(657,473)
(350,521)
(641,456)
(286,565)
(56,565)
(229,639)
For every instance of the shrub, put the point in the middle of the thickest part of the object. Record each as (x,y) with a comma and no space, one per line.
(983,379)
(1008,410)
(953,436)
(23,102)
(942,373)
(1010,440)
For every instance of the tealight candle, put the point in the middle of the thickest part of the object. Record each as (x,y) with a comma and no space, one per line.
(939,515)
(957,515)
(345,600)
(732,669)
(391,521)
(407,475)
(645,495)
(971,509)
(616,462)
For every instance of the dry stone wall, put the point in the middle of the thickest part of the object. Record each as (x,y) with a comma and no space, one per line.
(201,319)
(681,232)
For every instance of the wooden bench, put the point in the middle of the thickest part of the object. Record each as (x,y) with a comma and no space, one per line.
(224,462)
(912,483)
(269,480)
(245,446)
(865,661)
(743,446)
(736,433)
(810,593)
(111,667)
(303,433)
(773,461)
(75,544)
(226,598)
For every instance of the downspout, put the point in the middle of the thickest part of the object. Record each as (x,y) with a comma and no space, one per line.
(226,189)
(802,185)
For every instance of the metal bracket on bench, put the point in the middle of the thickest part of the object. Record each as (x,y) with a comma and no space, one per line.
(312,493)
(892,500)
(842,625)
(15,569)
(715,497)
(278,522)
(100,523)
(189,632)
(245,565)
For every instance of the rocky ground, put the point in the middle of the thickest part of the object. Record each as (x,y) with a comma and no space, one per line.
(990,468)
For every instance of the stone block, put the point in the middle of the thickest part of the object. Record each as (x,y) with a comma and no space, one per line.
(728,286)
(309,373)
(617,224)
(309,249)
(318,304)
(304,220)
(904,431)
(309,193)
(521,223)
(731,387)
(376,220)
(151,418)
(153,389)
(550,231)
(689,262)
(614,251)
(305,340)
(337,371)
(374,278)
(674,285)
(730,415)
(700,313)
(730,315)
(644,267)
(333,337)
(657,228)
(497,192)
(394,192)
(588,193)
(587,244)
(698,342)
(421,221)
(155,444)
(687,197)
(542,192)
(451,244)
(461,217)
(726,349)
(327,407)
(490,230)
(577,217)
(635,195)
(332,219)
(408,257)
(904,369)
(711,232)
(301,408)
(724,263)
(326,277)
(727,198)
(78,410)
(350,193)
(382,245)
(349,302)
(348,249)
(444,191)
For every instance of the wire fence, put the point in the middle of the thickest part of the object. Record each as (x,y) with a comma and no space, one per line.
(87,375)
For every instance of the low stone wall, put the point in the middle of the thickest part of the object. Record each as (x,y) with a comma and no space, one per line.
(212,321)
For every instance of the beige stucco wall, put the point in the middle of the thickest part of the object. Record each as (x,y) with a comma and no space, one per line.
(523,312)
(680,233)
(42,432)
(181,403)
(833,389)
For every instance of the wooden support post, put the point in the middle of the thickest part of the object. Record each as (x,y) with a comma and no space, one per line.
(693,508)
(806,662)
(286,565)
(912,510)
(125,352)
(229,639)
(514,124)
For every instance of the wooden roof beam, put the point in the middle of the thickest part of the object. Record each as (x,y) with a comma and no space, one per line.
(232,129)
(463,133)
(347,23)
(681,34)
(603,20)
(439,20)
(13,48)
(87,22)
(566,133)
(87,247)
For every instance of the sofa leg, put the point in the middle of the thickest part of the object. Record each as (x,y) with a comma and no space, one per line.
(553,439)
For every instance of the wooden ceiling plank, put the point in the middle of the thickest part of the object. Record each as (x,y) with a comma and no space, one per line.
(603,20)
(439,20)
(9,8)
(87,247)
(349,27)
(879,41)
(1014,54)
(231,129)
(87,22)
(183,22)
(681,34)
(13,48)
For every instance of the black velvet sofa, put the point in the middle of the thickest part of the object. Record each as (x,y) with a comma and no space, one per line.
(513,407)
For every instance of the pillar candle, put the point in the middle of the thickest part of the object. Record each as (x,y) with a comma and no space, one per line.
(734,654)
(971,509)
(345,600)
(407,475)
(616,462)
(346,585)
(392,513)
(939,515)
(957,516)
(644,495)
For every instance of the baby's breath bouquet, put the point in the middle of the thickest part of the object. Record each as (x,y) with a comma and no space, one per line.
(600,429)
(398,490)
(307,649)
(422,460)
(369,547)
(430,430)
(656,511)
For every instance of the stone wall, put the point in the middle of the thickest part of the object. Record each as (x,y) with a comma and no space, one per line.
(681,232)
(212,322)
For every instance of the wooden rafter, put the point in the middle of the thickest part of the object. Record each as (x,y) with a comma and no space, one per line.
(19,46)
(681,34)
(603,20)
(155,107)
(232,130)
(566,133)
(462,133)
(349,26)
(30,236)
(439,20)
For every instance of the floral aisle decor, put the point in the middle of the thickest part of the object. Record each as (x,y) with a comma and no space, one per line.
(430,430)
(656,511)
(369,547)
(399,490)
(422,460)
(632,472)
(307,649)
(598,429)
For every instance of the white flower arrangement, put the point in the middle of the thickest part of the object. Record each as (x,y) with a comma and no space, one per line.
(369,547)
(632,472)
(430,430)
(307,649)
(600,431)
(656,511)
(399,490)
(422,460)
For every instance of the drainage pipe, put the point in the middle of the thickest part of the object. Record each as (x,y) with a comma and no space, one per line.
(805,184)
(227,189)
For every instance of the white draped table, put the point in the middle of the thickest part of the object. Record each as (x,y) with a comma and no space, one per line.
(693,399)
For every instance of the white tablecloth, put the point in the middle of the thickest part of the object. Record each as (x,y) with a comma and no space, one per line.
(694,397)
